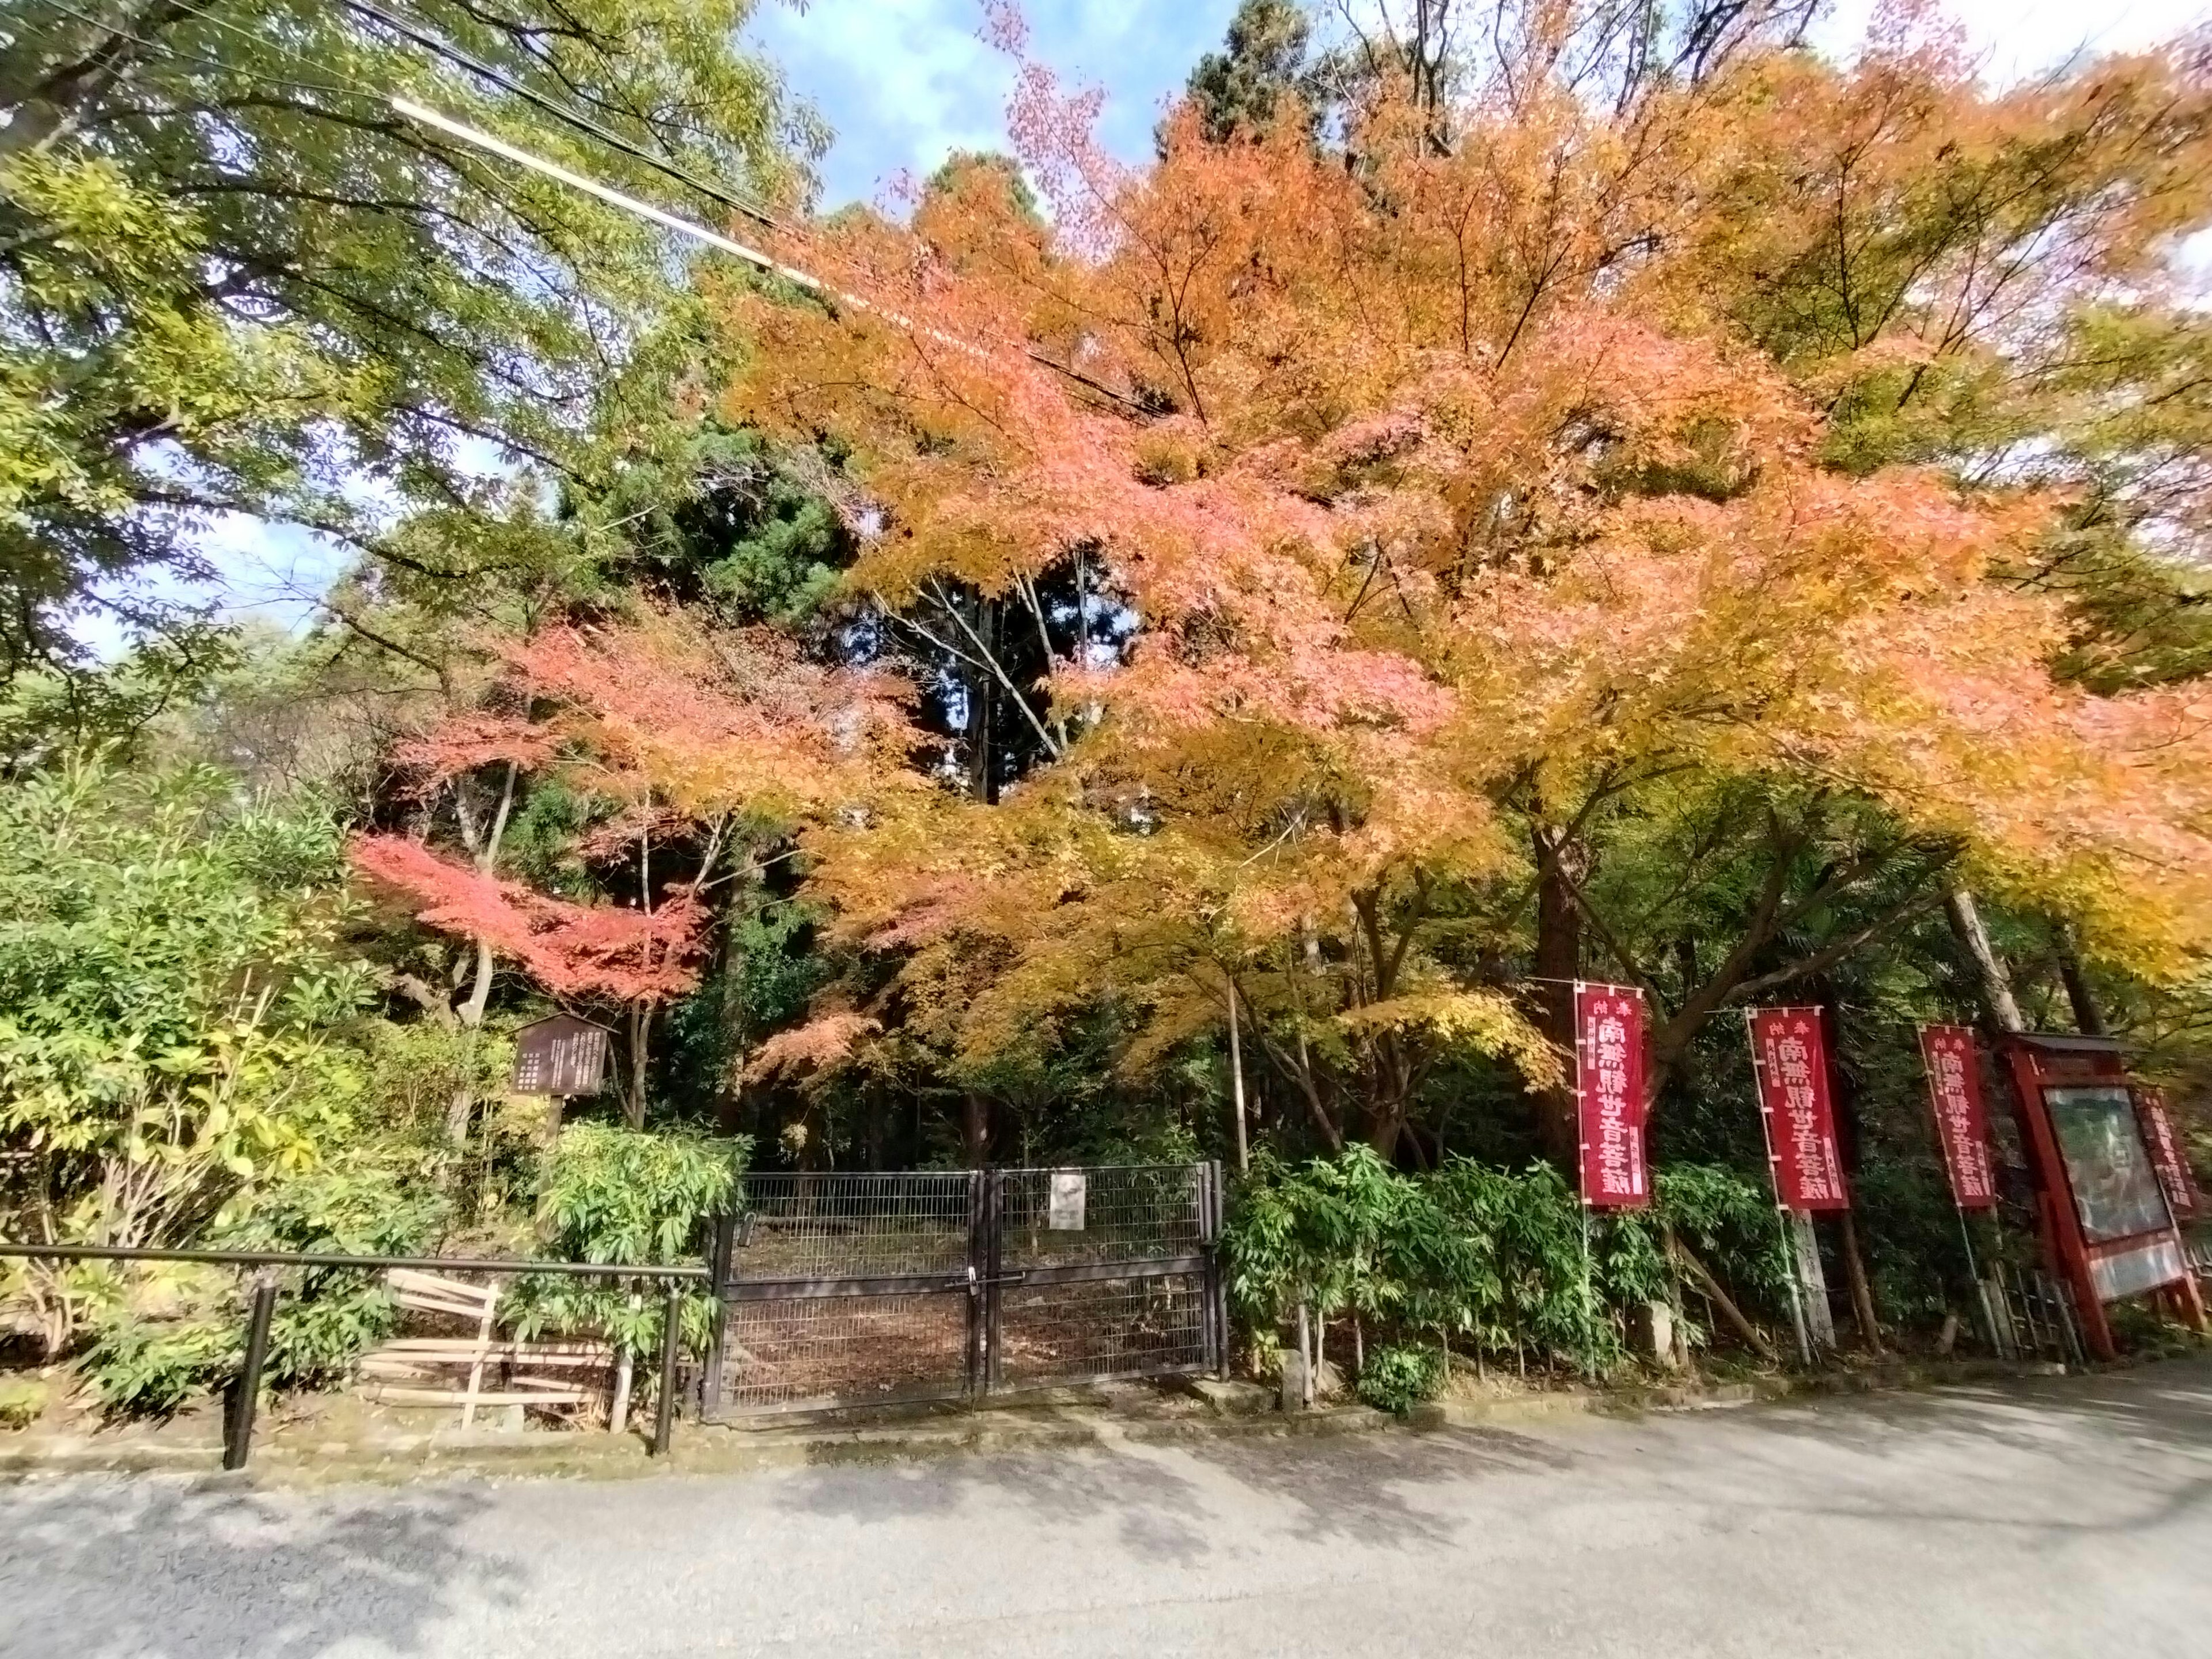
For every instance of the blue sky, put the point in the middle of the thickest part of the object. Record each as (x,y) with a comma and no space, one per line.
(905,82)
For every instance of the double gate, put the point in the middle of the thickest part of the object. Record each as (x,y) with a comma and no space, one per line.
(844,1290)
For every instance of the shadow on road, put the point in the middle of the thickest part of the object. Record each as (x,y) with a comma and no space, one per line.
(232,1572)
(2123,1452)
(1158,1498)
(1737,1468)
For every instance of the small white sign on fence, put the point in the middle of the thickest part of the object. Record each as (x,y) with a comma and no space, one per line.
(1066,1213)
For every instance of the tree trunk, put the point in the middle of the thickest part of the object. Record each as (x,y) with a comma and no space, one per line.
(976,1128)
(482,840)
(640,1034)
(1974,940)
(982,693)
(1812,1281)
(462,1107)
(1862,1289)
(618,1412)
(1558,963)
(56,105)
(1716,1295)
(2088,1019)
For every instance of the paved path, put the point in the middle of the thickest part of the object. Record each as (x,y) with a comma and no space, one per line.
(2061,1517)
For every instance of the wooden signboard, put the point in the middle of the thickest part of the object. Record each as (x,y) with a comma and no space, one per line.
(560,1056)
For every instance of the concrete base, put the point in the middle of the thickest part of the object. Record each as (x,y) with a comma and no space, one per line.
(1229,1399)
(321,1453)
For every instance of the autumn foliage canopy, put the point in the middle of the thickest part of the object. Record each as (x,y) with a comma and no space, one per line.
(1593,441)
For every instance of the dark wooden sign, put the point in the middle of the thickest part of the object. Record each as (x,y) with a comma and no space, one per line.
(560,1056)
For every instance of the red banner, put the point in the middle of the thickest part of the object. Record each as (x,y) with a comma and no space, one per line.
(1609,1096)
(1962,1124)
(1791,1058)
(2165,1154)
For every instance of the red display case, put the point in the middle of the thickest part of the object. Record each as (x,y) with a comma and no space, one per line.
(2106,1225)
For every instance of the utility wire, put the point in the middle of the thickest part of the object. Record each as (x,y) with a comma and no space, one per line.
(174,53)
(560,112)
(753,257)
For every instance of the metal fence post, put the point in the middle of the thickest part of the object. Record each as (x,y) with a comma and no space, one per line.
(1216,1287)
(238,1438)
(719,1272)
(978,1265)
(994,1214)
(672,1344)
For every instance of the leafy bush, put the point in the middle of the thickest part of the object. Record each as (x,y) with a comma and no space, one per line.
(168,1335)
(171,964)
(1507,1262)
(332,1316)
(22,1400)
(617,1195)
(149,1368)
(1398,1378)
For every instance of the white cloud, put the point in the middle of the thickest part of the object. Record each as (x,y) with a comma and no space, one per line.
(2021,37)
(905,82)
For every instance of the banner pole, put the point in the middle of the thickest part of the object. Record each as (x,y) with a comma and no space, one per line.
(1981,1285)
(1582,1171)
(1781,1210)
(1589,1302)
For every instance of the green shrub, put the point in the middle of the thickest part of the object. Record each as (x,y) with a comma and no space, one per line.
(150,1367)
(1504,1262)
(327,1317)
(22,1400)
(1398,1378)
(609,1194)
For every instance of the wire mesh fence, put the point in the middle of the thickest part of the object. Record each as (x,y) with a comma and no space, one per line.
(844,1290)
(838,1225)
(800,1353)
(1101,1328)
(1051,1217)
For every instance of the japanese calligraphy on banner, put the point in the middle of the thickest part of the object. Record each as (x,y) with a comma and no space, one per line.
(1792,1060)
(2165,1154)
(1955,1087)
(1609,1096)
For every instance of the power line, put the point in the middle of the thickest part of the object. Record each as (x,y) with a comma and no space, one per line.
(483,140)
(291,83)
(467,134)
(559,110)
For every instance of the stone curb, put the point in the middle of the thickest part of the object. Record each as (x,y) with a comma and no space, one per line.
(717,1449)
(1895,1377)
(708,1449)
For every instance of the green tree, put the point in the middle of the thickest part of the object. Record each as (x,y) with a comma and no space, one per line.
(233,278)
(1240,88)
(173,962)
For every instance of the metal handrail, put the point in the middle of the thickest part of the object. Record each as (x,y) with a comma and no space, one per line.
(238,1420)
(331,1259)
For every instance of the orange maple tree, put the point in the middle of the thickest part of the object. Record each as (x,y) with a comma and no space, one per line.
(1599,430)
(686,738)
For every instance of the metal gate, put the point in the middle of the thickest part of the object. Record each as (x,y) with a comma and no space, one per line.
(846,1290)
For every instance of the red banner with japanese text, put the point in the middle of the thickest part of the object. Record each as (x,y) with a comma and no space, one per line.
(2165,1154)
(1962,1124)
(1609,1096)
(1790,1055)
